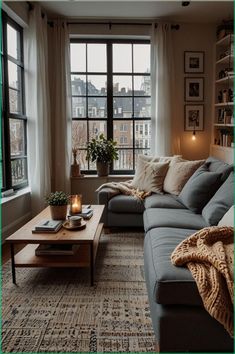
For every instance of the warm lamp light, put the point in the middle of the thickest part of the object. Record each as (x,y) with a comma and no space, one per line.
(75,204)
(194,135)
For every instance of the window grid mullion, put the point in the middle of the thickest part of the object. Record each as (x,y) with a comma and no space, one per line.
(7,115)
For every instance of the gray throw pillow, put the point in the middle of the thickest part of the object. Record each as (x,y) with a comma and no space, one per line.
(220,167)
(200,188)
(220,202)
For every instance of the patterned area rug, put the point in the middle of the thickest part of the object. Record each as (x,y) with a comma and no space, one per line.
(56,310)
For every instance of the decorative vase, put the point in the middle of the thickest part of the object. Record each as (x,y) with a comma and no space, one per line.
(58,212)
(102,169)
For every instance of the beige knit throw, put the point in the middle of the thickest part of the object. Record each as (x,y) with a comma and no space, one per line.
(123,188)
(209,255)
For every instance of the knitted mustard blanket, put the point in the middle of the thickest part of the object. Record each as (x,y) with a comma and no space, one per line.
(209,255)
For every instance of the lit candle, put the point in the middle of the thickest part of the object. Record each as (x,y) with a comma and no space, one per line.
(76,204)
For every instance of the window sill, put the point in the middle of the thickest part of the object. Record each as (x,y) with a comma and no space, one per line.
(109,177)
(18,194)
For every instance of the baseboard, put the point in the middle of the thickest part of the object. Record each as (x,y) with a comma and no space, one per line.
(15,225)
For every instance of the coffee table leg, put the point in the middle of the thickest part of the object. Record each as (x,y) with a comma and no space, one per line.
(91,264)
(13,264)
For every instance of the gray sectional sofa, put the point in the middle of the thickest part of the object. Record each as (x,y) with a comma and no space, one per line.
(180,322)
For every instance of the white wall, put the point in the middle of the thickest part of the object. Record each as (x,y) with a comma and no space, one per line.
(18,11)
(16,211)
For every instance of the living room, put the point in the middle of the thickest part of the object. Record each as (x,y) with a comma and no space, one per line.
(137,72)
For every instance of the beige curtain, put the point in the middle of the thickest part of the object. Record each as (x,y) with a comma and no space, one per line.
(37,108)
(60,93)
(164,143)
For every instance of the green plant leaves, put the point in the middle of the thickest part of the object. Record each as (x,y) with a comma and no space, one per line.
(102,150)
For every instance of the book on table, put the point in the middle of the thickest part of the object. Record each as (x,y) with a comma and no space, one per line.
(48,225)
(56,250)
(86,213)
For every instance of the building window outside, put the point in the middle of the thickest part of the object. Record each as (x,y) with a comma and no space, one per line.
(111,94)
(14,141)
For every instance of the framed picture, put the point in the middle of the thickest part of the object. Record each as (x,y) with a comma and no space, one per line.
(194,89)
(194,62)
(194,117)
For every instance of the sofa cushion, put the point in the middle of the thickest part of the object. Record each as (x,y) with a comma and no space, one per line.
(220,202)
(163,201)
(171,285)
(178,174)
(176,218)
(149,176)
(219,166)
(125,204)
(228,218)
(200,188)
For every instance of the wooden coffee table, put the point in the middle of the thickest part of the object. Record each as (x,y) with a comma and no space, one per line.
(88,239)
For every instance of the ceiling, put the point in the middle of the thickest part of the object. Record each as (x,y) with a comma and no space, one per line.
(197,11)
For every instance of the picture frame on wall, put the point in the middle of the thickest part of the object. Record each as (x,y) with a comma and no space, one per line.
(193,89)
(194,62)
(194,117)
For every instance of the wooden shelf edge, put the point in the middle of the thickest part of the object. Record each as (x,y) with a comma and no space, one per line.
(222,147)
(225,59)
(229,37)
(224,80)
(224,104)
(224,125)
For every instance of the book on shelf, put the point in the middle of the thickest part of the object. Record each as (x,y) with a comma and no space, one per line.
(48,225)
(56,250)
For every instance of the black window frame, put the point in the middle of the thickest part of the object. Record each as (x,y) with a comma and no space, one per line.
(6,158)
(110,120)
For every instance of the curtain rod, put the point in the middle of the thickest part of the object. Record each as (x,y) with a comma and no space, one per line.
(110,24)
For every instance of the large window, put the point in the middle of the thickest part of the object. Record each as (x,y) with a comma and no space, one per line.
(13,155)
(111,94)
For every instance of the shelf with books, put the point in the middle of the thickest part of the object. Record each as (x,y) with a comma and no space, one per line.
(56,250)
(223,122)
(223,136)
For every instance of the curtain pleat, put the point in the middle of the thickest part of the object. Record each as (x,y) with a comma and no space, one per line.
(37,108)
(61,118)
(163,142)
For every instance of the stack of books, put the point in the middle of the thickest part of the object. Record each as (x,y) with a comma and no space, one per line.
(56,250)
(86,213)
(48,226)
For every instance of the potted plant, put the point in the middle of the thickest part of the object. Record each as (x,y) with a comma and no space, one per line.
(103,151)
(58,202)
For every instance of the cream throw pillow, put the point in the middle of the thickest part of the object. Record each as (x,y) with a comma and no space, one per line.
(178,174)
(150,158)
(149,176)
(228,218)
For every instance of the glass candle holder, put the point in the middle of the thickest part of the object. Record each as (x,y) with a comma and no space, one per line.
(75,204)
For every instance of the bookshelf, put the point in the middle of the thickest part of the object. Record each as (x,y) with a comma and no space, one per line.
(223,107)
